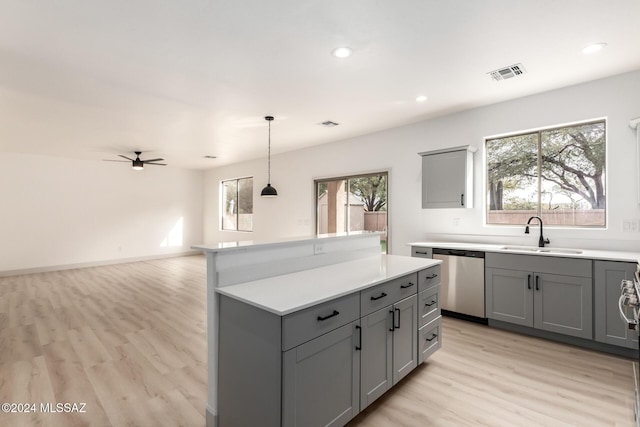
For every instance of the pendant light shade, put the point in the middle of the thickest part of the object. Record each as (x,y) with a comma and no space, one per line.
(269,191)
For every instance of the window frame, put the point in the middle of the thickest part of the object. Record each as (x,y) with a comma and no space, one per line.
(347,178)
(539,131)
(222,210)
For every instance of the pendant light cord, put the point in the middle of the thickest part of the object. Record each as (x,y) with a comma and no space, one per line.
(269,156)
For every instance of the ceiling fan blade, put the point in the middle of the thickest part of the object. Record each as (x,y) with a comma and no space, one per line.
(125,157)
(156,164)
(152,160)
(109,160)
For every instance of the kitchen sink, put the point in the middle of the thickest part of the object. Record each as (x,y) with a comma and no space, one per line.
(542,250)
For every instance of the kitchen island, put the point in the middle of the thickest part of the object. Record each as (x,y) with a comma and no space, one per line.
(269,303)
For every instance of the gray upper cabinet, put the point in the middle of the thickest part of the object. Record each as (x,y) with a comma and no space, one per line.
(447,178)
(549,293)
(609,327)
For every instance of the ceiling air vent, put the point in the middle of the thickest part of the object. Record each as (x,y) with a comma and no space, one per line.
(329,124)
(507,72)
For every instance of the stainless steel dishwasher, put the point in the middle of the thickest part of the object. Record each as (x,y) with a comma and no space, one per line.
(462,284)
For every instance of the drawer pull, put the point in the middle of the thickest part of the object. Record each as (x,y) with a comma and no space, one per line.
(422,253)
(382,295)
(429,304)
(335,313)
(408,285)
(433,276)
(433,337)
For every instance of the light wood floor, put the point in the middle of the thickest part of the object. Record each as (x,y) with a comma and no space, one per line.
(130,341)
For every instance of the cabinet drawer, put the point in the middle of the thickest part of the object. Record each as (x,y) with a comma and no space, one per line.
(429,305)
(388,293)
(429,277)
(429,339)
(304,325)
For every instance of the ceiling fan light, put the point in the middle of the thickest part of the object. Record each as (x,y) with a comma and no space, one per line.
(269,191)
(137,165)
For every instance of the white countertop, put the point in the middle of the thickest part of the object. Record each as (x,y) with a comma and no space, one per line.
(245,244)
(292,292)
(586,253)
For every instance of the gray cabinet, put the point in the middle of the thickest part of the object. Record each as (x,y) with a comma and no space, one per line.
(321,383)
(447,178)
(322,365)
(509,297)
(389,348)
(609,327)
(548,293)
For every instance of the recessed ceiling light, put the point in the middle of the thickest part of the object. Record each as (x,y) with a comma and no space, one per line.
(593,48)
(342,52)
(421,98)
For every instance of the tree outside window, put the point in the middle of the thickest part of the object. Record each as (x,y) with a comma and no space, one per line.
(557,174)
(237,204)
(354,203)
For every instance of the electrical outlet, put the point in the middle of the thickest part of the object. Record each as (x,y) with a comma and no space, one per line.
(318,248)
(456,222)
(631,225)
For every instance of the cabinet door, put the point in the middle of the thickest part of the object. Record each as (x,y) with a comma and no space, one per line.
(376,356)
(444,179)
(609,326)
(321,384)
(405,337)
(509,296)
(563,304)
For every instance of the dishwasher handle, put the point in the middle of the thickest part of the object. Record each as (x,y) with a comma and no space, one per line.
(458,252)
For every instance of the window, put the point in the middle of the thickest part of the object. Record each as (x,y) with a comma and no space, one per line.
(353,203)
(557,174)
(237,204)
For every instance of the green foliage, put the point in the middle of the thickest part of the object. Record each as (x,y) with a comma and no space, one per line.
(571,160)
(371,190)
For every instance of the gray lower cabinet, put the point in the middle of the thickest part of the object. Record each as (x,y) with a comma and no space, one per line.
(389,348)
(555,294)
(609,327)
(321,380)
(322,365)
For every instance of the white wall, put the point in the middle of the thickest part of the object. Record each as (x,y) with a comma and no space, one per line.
(292,212)
(58,212)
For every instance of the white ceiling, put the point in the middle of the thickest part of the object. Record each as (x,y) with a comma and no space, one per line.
(183,79)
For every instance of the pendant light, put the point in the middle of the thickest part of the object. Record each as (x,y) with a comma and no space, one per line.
(269,191)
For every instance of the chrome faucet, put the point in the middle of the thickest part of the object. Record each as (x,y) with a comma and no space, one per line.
(542,240)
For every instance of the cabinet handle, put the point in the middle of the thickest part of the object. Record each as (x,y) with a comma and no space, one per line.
(322,319)
(393,320)
(528,281)
(382,295)
(429,304)
(537,282)
(359,347)
(462,199)
(433,337)
(433,276)
(422,253)
(406,286)
(398,327)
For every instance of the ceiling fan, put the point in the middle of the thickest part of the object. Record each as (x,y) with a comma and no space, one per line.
(137,163)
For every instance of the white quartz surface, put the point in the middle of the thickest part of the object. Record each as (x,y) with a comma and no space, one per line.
(246,244)
(289,293)
(586,253)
